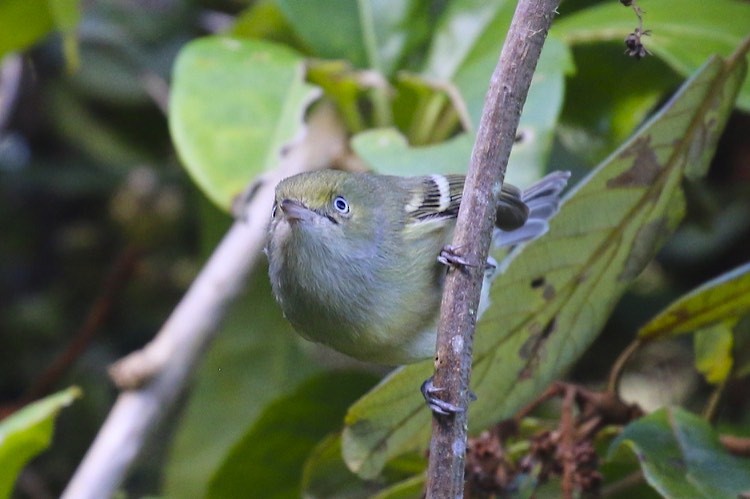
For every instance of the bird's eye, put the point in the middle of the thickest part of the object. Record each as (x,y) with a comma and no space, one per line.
(341,205)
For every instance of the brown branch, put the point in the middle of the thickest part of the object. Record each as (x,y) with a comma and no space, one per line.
(739,446)
(159,372)
(554,390)
(495,136)
(619,366)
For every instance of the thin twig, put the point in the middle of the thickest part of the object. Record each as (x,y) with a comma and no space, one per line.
(619,365)
(712,405)
(495,137)
(739,446)
(554,390)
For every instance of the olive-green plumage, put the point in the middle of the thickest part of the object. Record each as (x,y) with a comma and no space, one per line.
(353,256)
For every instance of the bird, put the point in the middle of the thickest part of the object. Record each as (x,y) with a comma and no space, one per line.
(355,258)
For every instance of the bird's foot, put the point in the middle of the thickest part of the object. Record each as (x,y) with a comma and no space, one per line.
(437,406)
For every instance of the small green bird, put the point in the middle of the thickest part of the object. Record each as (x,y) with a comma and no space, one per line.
(353,257)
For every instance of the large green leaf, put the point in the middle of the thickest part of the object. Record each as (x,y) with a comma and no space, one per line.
(683,32)
(609,96)
(372,34)
(741,348)
(22,23)
(681,456)
(267,462)
(553,296)
(541,112)
(234,105)
(464,52)
(711,311)
(465,29)
(411,488)
(326,475)
(723,298)
(387,152)
(28,432)
(256,358)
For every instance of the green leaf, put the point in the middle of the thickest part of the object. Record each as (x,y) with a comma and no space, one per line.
(411,488)
(681,456)
(27,433)
(605,102)
(234,105)
(344,86)
(713,351)
(467,28)
(545,97)
(255,358)
(388,421)
(268,460)
(726,297)
(464,52)
(263,20)
(23,23)
(326,475)
(683,32)
(372,34)
(428,111)
(387,152)
(541,112)
(741,348)
(554,295)
(66,15)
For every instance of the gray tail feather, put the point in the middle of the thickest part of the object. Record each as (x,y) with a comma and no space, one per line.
(550,185)
(543,200)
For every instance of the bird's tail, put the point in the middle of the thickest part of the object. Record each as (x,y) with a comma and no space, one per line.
(543,201)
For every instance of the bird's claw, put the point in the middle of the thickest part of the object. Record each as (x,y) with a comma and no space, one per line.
(450,258)
(437,406)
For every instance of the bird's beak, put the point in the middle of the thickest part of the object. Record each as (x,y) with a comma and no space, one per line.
(294,210)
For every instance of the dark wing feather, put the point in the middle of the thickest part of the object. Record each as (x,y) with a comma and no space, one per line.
(435,196)
(439,196)
(521,215)
(512,212)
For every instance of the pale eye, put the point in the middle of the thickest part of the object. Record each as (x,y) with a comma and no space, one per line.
(341,205)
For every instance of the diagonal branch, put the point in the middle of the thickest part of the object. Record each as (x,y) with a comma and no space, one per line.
(153,378)
(497,129)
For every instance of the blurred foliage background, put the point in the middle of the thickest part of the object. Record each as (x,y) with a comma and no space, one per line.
(102,229)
